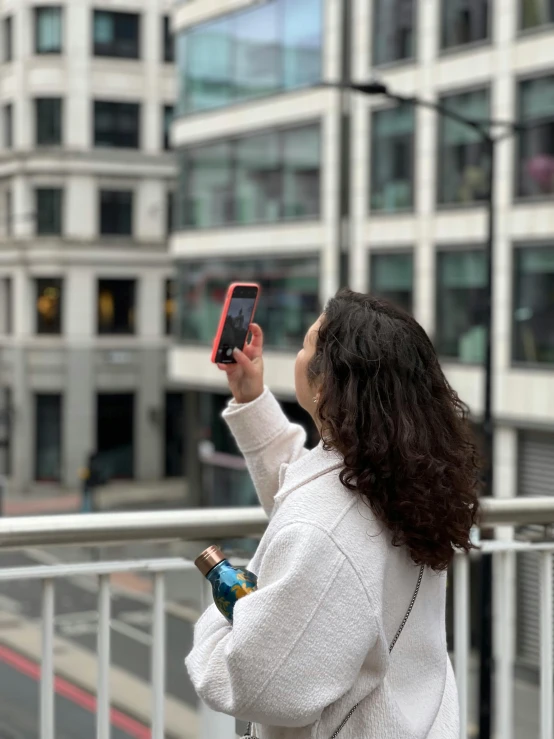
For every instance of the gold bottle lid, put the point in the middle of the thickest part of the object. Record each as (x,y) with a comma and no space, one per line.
(209,558)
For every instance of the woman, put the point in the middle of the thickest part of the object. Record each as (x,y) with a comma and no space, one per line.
(390,491)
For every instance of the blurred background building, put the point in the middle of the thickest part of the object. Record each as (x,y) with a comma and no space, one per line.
(304,187)
(86,95)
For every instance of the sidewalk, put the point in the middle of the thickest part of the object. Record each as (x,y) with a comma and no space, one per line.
(49,499)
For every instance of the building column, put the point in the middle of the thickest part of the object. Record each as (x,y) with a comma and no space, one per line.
(149,420)
(23,452)
(191,437)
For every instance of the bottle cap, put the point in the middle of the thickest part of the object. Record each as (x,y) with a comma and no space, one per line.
(209,558)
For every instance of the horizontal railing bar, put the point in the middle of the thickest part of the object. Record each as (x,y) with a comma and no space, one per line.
(207,524)
(40,572)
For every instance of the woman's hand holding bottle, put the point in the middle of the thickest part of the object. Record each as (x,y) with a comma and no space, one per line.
(246,377)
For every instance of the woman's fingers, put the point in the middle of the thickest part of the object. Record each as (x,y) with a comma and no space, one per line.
(255,348)
(242,360)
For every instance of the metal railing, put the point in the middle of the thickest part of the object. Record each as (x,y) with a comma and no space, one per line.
(219,524)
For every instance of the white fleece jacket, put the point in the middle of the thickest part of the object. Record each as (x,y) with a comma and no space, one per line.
(313,640)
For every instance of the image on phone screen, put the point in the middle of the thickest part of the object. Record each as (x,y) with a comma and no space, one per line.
(237,322)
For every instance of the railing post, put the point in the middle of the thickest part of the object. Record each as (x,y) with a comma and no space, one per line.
(47,666)
(505,657)
(546,646)
(103,687)
(461,635)
(213,724)
(158,658)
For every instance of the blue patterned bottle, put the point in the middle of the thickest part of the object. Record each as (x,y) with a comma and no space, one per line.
(229,583)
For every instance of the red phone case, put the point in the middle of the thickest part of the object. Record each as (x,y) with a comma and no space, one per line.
(225,310)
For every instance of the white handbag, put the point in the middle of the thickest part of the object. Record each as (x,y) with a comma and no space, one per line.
(250,735)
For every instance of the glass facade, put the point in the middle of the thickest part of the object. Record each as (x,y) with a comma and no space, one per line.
(534,305)
(48,121)
(49,202)
(392,159)
(48,30)
(536,13)
(263,178)
(264,50)
(461,305)
(464,22)
(392,277)
(289,301)
(536,144)
(393,30)
(463,160)
(49,305)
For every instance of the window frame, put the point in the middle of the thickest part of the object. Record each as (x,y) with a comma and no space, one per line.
(106,235)
(7,115)
(414,160)
(166,135)
(134,282)
(442,120)
(460,48)
(450,248)
(119,103)
(404,60)
(516,197)
(113,52)
(37,11)
(383,251)
(37,101)
(231,141)
(56,189)
(519,247)
(540,28)
(167,35)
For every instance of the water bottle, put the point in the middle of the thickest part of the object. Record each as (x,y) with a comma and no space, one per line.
(228,583)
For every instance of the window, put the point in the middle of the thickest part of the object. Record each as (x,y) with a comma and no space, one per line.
(464,22)
(49,305)
(461,305)
(392,278)
(115,434)
(536,144)
(259,51)
(8,126)
(169,215)
(116,34)
(48,30)
(116,212)
(463,159)
(116,124)
(49,211)
(8,39)
(169,306)
(6,311)
(9,212)
(536,13)
(116,306)
(534,305)
(168,41)
(393,30)
(263,178)
(48,116)
(48,437)
(167,118)
(392,159)
(288,306)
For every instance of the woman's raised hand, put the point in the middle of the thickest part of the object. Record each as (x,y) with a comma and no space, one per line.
(246,377)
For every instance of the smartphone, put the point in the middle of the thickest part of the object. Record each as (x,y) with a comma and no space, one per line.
(234,324)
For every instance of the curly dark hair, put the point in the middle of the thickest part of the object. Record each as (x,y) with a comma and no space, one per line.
(387,408)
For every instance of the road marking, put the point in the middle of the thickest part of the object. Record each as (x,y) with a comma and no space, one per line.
(76,695)
(82,623)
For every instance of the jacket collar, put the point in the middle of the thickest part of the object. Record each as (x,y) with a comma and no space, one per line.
(310,466)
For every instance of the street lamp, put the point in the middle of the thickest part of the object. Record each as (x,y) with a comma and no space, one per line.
(483,129)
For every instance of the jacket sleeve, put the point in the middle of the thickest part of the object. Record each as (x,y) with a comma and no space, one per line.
(297,644)
(267,440)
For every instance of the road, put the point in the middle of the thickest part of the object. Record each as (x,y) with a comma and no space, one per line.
(76,621)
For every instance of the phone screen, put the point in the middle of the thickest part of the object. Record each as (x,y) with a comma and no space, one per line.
(237,323)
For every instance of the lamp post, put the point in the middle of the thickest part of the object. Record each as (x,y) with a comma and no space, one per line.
(483,129)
